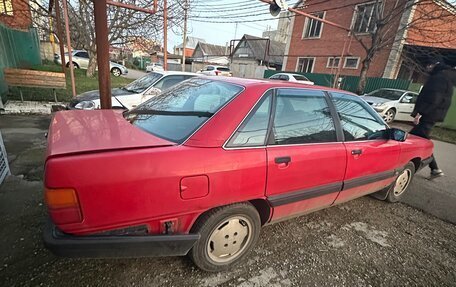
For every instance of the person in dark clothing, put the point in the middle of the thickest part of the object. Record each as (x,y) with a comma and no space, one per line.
(433,103)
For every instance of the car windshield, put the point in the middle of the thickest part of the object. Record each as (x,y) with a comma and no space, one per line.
(177,113)
(392,95)
(141,84)
(300,78)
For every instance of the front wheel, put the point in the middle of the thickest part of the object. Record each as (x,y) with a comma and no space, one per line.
(116,72)
(401,184)
(228,233)
(389,115)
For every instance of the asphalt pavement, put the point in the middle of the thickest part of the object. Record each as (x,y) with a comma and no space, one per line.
(364,242)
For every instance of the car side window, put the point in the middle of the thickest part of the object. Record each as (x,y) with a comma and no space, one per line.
(275,77)
(359,121)
(410,98)
(284,77)
(254,129)
(209,68)
(82,55)
(169,81)
(302,116)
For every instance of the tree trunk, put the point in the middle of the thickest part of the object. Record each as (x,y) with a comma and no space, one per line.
(363,76)
(92,64)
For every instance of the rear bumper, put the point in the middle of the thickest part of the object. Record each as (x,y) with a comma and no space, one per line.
(67,245)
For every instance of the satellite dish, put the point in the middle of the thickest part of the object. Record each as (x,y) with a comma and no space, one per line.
(277,6)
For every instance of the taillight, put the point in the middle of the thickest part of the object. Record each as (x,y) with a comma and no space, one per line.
(217,73)
(63,205)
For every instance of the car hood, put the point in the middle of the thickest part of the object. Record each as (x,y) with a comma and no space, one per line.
(95,95)
(74,132)
(375,100)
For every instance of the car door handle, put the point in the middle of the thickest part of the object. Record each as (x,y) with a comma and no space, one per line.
(357,151)
(283,159)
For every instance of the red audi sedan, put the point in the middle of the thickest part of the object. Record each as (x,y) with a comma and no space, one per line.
(201,168)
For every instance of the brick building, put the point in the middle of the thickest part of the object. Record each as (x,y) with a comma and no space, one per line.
(15,14)
(315,47)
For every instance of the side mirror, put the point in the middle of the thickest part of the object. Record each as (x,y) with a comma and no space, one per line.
(153,91)
(406,100)
(397,134)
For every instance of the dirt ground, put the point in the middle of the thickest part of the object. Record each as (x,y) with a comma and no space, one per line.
(361,243)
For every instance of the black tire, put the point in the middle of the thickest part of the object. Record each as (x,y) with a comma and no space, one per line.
(75,65)
(389,116)
(223,222)
(116,72)
(401,185)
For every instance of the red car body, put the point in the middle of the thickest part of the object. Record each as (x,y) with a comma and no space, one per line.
(121,180)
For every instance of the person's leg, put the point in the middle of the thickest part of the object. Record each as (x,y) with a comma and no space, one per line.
(423,129)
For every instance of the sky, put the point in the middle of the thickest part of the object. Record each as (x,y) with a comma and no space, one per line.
(204,12)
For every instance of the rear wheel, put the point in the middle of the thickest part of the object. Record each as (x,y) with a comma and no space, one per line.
(389,115)
(228,233)
(75,65)
(401,184)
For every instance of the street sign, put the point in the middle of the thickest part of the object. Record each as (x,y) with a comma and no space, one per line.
(282,4)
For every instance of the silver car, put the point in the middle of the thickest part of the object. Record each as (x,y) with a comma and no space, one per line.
(81,61)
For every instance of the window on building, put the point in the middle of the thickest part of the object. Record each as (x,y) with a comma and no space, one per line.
(365,16)
(351,63)
(305,65)
(312,27)
(333,62)
(358,121)
(6,7)
(302,116)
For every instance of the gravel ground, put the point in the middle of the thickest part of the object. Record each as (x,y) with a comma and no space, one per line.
(361,243)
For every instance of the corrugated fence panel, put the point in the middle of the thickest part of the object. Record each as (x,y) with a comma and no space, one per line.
(17,49)
(349,83)
(4,168)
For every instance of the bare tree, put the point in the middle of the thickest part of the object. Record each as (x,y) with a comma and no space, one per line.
(389,22)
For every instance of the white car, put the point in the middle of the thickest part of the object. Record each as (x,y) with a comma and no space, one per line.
(392,104)
(291,78)
(133,94)
(154,67)
(212,70)
(81,61)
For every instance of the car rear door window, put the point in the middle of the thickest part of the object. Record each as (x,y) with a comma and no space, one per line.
(168,81)
(254,129)
(302,117)
(359,121)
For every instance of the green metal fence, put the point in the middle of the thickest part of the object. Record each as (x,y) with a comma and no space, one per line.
(17,49)
(450,120)
(349,83)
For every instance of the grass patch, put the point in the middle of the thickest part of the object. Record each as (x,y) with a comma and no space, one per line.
(83,84)
(443,134)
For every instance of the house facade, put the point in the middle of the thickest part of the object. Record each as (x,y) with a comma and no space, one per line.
(253,55)
(190,46)
(316,47)
(211,54)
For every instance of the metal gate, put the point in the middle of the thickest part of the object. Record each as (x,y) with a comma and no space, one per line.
(4,168)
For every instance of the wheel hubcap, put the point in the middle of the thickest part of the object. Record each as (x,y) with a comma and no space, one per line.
(116,73)
(389,116)
(229,239)
(402,182)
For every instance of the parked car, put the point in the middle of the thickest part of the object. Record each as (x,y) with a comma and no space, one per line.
(200,168)
(133,94)
(392,104)
(81,61)
(292,78)
(212,70)
(154,67)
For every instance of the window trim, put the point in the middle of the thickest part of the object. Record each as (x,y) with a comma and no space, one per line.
(313,64)
(7,13)
(332,108)
(332,67)
(355,14)
(308,21)
(351,68)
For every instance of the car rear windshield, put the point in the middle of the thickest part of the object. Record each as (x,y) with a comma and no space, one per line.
(143,83)
(177,113)
(392,95)
(223,69)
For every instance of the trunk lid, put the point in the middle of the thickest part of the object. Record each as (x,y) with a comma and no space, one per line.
(73,132)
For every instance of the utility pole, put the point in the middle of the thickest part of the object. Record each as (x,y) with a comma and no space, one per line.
(235,30)
(70,56)
(165,35)
(185,34)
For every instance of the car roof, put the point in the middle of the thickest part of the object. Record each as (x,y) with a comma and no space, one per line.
(267,83)
(175,73)
(391,89)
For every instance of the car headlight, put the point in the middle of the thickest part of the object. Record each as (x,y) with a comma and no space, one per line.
(377,105)
(85,105)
